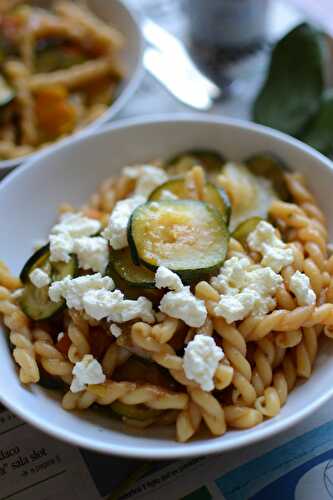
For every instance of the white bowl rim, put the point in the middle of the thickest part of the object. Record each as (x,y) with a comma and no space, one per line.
(196,448)
(111,111)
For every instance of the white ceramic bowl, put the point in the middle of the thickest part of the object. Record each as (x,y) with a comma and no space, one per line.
(29,198)
(117,14)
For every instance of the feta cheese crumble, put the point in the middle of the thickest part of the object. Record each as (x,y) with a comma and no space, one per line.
(126,310)
(184,305)
(73,290)
(116,231)
(164,278)
(76,225)
(115,330)
(93,253)
(39,278)
(98,304)
(87,371)
(71,235)
(276,254)
(245,289)
(61,246)
(236,307)
(147,177)
(201,360)
(301,287)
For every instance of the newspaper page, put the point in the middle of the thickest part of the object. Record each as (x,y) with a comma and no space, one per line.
(297,464)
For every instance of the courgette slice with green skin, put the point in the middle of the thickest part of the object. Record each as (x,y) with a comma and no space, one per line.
(273,168)
(35,302)
(186,236)
(49,381)
(177,189)
(243,230)
(130,291)
(135,276)
(7,93)
(136,412)
(144,371)
(211,161)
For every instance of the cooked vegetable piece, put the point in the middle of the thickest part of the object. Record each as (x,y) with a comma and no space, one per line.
(211,161)
(271,167)
(56,58)
(55,113)
(35,301)
(177,188)
(245,228)
(64,344)
(251,195)
(136,412)
(144,371)
(186,236)
(135,276)
(291,93)
(49,381)
(130,291)
(7,94)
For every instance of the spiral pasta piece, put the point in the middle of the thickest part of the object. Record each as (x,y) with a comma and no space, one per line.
(234,347)
(20,336)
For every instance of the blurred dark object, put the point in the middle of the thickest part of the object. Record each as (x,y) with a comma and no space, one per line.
(222,32)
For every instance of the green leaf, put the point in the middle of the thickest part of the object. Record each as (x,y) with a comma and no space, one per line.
(295,81)
(319,131)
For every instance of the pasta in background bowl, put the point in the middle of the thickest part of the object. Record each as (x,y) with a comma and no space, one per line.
(65,69)
(134,142)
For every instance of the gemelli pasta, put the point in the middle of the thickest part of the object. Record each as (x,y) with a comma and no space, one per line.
(168,300)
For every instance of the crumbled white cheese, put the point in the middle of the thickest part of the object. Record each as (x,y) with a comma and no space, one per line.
(236,307)
(61,246)
(76,225)
(164,278)
(116,231)
(126,310)
(276,254)
(39,277)
(201,360)
(60,336)
(73,290)
(87,371)
(300,285)
(245,289)
(93,253)
(231,277)
(100,303)
(147,177)
(115,330)
(185,306)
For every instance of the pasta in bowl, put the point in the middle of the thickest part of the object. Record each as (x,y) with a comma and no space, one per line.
(164,306)
(64,68)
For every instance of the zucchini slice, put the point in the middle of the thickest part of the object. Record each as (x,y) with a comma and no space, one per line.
(136,412)
(189,237)
(134,290)
(176,188)
(211,161)
(271,167)
(35,301)
(135,276)
(250,195)
(144,371)
(243,230)
(7,94)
